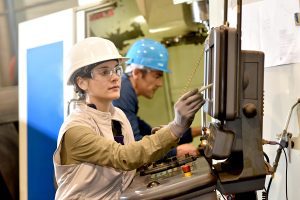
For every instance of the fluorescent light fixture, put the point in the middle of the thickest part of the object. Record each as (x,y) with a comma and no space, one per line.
(183,1)
(156,30)
(86,2)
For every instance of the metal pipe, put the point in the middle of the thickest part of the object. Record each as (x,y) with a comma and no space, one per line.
(199,11)
(13,30)
(225,11)
(239,53)
(289,116)
(284,138)
(239,27)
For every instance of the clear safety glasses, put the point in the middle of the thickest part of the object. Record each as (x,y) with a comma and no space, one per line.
(106,71)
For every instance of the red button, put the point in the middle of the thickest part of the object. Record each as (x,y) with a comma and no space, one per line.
(186,168)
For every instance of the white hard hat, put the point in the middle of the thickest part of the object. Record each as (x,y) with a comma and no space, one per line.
(92,50)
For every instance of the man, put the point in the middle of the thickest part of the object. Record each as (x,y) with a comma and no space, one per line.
(148,60)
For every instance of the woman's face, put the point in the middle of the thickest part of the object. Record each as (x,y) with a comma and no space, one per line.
(105,82)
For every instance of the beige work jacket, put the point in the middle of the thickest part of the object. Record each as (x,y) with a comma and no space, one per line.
(108,175)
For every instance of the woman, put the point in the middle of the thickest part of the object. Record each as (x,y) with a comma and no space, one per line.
(96,154)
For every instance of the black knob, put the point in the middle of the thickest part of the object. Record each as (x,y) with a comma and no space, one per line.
(249,110)
(153,184)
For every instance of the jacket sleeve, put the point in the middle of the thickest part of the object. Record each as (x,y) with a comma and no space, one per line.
(187,137)
(81,144)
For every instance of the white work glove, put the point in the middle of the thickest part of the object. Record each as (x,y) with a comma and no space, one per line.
(185,109)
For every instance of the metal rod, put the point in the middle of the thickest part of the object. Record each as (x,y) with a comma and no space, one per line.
(13,30)
(205,87)
(289,117)
(239,27)
(284,138)
(239,51)
(225,11)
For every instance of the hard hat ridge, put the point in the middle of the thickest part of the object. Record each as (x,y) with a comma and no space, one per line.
(148,53)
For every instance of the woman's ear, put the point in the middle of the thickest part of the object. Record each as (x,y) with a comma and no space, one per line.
(82,83)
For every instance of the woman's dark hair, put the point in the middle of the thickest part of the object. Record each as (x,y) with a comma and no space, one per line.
(84,72)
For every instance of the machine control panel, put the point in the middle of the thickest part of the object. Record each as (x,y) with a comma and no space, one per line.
(185,178)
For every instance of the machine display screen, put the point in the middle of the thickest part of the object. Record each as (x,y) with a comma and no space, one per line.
(221,70)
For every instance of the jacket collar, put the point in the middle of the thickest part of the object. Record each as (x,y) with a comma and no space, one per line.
(111,114)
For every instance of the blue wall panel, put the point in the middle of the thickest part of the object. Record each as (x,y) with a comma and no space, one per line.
(44,116)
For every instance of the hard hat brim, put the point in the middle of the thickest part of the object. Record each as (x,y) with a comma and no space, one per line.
(89,51)
(70,74)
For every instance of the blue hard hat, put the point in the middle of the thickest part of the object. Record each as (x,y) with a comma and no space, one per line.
(150,54)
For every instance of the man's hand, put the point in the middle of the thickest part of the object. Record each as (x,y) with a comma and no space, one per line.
(184,149)
(196,131)
(154,129)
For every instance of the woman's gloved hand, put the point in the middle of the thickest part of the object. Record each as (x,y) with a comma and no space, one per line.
(185,109)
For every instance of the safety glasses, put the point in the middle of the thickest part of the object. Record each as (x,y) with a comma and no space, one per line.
(106,71)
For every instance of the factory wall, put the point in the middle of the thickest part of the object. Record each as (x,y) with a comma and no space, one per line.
(281,92)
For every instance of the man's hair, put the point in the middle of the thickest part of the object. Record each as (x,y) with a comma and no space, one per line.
(131,67)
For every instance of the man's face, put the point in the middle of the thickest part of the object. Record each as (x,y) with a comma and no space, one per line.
(149,82)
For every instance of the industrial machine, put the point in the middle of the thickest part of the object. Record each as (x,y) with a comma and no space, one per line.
(233,160)
(235,103)
(185,178)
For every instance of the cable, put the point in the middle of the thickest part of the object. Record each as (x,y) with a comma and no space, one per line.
(190,78)
(267,157)
(286,168)
(269,185)
(214,172)
(285,137)
(266,193)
